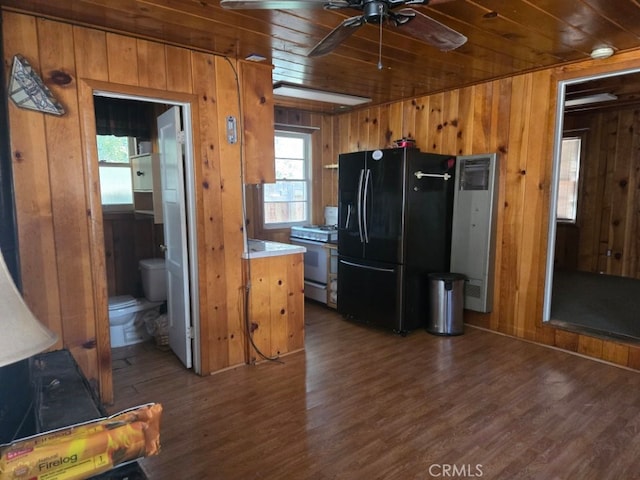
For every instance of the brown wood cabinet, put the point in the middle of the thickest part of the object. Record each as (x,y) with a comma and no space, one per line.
(276,305)
(258,123)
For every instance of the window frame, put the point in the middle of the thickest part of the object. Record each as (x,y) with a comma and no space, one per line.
(308,160)
(119,207)
(571,135)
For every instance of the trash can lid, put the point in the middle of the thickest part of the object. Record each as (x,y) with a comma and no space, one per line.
(447,276)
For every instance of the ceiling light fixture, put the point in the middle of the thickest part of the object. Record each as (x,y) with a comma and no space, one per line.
(601,53)
(303,93)
(586,100)
(255,57)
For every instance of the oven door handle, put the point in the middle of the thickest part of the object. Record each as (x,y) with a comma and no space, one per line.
(318,243)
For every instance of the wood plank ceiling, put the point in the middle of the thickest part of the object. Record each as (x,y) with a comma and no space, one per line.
(505,37)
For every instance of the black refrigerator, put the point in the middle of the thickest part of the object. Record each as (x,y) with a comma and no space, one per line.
(395,210)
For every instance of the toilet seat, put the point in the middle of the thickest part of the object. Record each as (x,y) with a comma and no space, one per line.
(121,301)
(128,315)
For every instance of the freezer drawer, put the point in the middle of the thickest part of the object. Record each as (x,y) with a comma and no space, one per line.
(371,293)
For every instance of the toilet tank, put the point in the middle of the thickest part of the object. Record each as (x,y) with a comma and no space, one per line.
(154,279)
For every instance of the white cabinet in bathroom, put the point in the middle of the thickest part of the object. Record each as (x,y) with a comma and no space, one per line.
(147,192)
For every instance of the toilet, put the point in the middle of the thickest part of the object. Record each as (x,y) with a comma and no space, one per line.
(127,315)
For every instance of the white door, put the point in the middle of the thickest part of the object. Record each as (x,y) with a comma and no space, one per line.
(175,234)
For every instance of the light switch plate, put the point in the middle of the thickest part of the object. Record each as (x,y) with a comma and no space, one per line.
(232,131)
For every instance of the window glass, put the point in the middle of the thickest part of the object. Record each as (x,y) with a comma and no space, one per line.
(113,149)
(290,169)
(285,192)
(115,185)
(115,171)
(287,202)
(568,183)
(289,147)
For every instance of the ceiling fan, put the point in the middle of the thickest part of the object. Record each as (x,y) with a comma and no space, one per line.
(411,21)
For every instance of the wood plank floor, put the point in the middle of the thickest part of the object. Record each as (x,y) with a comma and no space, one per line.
(361,403)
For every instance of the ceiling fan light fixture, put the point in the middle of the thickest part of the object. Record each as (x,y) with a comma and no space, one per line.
(303,93)
(601,53)
(413,22)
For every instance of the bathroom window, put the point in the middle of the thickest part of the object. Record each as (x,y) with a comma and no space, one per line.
(115,172)
(287,201)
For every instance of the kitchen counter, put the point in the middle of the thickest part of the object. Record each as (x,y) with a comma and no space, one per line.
(265,248)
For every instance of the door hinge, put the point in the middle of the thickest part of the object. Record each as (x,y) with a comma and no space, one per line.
(181,137)
(190,333)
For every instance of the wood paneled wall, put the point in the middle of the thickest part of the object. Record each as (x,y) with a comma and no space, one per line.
(129,238)
(609,200)
(566,248)
(516,118)
(325,180)
(55,168)
(58,206)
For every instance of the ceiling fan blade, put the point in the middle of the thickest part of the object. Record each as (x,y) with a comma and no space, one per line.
(337,36)
(272,4)
(428,30)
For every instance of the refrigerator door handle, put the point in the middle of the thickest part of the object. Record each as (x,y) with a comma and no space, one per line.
(419,174)
(346,222)
(360,205)
(364,219)
(366,267)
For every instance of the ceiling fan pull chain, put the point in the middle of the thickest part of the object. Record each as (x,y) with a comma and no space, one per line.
(380,41)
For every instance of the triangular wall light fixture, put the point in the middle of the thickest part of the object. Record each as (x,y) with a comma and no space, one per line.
(27,89)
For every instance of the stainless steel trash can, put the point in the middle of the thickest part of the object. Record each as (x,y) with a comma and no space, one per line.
(446,303)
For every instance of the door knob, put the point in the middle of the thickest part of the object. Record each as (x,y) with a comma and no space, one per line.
(163,248)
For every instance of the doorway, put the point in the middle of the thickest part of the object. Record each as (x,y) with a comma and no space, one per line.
(181,194)
(593,261)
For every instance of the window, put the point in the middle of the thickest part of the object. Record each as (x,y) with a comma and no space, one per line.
(567,208)
(287,202)
(115,171)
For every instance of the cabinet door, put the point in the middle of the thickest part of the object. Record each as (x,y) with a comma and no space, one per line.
(259,130)
(142,173)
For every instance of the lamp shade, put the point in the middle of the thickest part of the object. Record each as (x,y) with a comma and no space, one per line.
(21,334)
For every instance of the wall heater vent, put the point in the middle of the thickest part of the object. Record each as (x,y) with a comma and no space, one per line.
(474,226)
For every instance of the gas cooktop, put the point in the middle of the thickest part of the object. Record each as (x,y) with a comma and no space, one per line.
(318,233)
(316,227)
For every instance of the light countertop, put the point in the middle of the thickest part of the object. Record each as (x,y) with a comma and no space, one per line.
(264,248)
